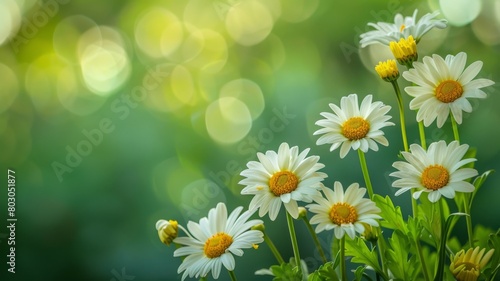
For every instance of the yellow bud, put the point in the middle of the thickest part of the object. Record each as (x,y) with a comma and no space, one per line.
(405,51)
(387,70)
(167,231)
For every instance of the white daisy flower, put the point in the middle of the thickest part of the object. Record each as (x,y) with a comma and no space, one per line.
(284,177)
(402,27)
(443,86)
(436,171)
(344,212)
(214,240)
(353,126)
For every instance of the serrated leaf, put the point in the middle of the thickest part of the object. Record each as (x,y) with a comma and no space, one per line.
(284,272)
(358,273)
(392,216)
(494,243)
(397,255)
(326,272)
(358,250)
(430,218)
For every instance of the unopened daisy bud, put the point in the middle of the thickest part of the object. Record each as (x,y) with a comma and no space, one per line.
(468,265)
(405,51)
(387,70)
(370,234)
(302,212)
(259,226)
(167,231)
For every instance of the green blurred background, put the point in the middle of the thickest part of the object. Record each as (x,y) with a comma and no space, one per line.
(115,114)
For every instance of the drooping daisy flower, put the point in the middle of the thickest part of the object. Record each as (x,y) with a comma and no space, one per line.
(354,126)
(284,177)
(167,231)
(468,265)
(443,86)
(436,171)
(401,28)
(214,240)
(344,212)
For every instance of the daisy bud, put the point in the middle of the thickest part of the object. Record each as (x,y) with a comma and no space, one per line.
(387,70)
(167,231)
(302,212)
(468,265)
(369,234)
(405,51)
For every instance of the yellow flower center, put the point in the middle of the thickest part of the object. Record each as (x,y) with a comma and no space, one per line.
(355,128)
(283,182)
(435,177)
(217,245)
(448,91)
(405,51)
(387,70)
(343,213)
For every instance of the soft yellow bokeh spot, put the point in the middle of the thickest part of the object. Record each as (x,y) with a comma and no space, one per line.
(249,22)
(298,10)
(158,32)
(228,120)
(248,92)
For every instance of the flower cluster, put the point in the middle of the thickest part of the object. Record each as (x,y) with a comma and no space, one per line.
(436,175)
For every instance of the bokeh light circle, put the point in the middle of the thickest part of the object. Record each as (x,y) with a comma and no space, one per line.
(460,12)
(182,85)
(10,19)
(249,22)
(228,120)
(104,61)
(67,34)
(298,10)
(9,88)
(248,92)
(158,32)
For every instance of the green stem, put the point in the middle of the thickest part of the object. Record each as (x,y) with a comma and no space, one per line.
(401,113)
(454,125)
(273,248)
(468,220)
(442,244)
(231,274)
(342,259)
(366,175)
(295,245)
(422,259)
(405,138)
(421,131)
(315,239)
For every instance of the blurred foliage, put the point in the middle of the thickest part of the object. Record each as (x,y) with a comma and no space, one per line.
(115,114)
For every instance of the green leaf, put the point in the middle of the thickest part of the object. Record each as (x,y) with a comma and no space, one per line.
(494,268)
(284,272)
(360,271)
(326,272)
(397,255)
(430,218)
(478,182)
(360,253)
(442,247)
(392,216)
